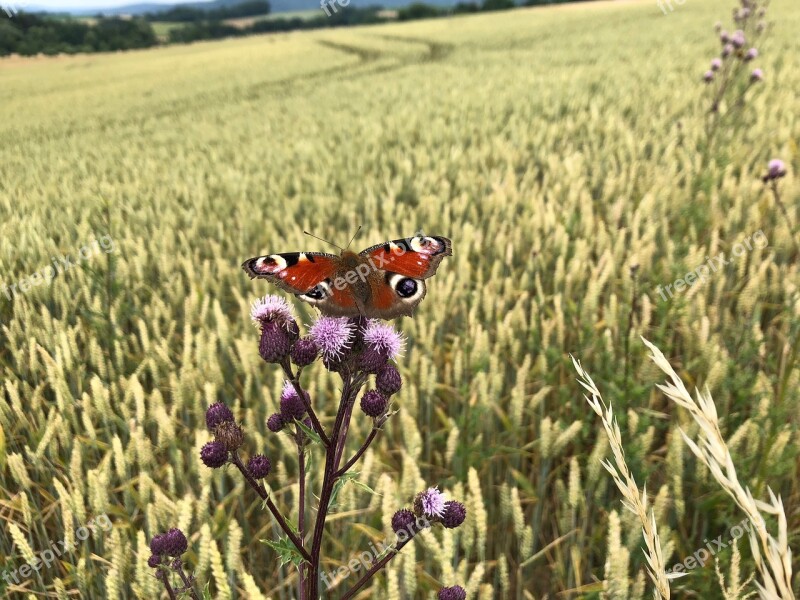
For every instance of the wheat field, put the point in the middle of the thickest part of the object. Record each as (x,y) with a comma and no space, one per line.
(561,149)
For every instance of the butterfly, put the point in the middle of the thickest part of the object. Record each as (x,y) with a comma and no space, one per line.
(385,281)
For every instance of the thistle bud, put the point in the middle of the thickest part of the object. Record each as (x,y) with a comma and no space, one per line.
(214,454)
(231,436)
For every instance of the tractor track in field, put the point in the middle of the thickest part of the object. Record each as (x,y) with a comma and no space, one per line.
(436,52)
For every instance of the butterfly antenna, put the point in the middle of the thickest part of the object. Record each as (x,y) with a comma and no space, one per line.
(326,241)
(354,237)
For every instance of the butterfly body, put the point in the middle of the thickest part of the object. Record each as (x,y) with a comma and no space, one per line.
(384,281)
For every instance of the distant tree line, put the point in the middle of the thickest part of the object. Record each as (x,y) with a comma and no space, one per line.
(188,14)
(30,34)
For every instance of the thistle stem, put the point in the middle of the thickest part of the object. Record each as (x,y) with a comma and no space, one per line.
(294,380)
(301,519)
(376,567)
(332,452)
(358,454)
(261,491)
(188,583)
(776,194)
(162,575)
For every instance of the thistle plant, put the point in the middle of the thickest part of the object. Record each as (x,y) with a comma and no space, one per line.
(167,549)
(776,170)
(733,72)
(358,350)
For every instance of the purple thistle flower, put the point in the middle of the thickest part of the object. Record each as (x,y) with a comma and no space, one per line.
(724,37)
(727,50)
(757,75)
(454,514)
(292,406)
(775,170)
(388,380)
(384,337)
(217,414)
(716,64)
(172,543)
(275,423)
(372,360)
(403,519)
(154,561)
(304,352)
(275,343)
(737,39)
(333,336)
(708,77)
(278,327)
(258,466)
(214,455)
(158,544)
(429,503)
(175,542)
(271,309)
(374,404)
(751,54)
(455,592)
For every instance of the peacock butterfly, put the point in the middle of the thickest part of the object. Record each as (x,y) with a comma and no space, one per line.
(382,282)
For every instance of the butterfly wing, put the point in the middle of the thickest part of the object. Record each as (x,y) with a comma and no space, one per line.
(308,275)
(295,272)
(401,268)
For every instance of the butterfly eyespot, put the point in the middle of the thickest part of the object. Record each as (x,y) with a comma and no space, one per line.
(406,287)
(316,293)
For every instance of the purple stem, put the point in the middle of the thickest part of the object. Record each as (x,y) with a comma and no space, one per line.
(376,567)
(301,519)
(358,454)
(261,491)
(287,370)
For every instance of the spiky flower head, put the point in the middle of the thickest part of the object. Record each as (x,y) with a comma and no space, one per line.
(272,309)
(384,338)
(292,406)
(429,503)
(175,543)
(304,352)
(455,592)
(775,170)
(278,327)
(214,454)
(230,435)
(172,543)
(708,77)
(727,50)
(724,37)
(275,422)
(751,54)
(403,519)
(372,360)
(333,336)
(716,64)
(374,404)
(154,561)
(388,380)
(258,466)
(737,39)
(757,75)
(217,414)
(454,514)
